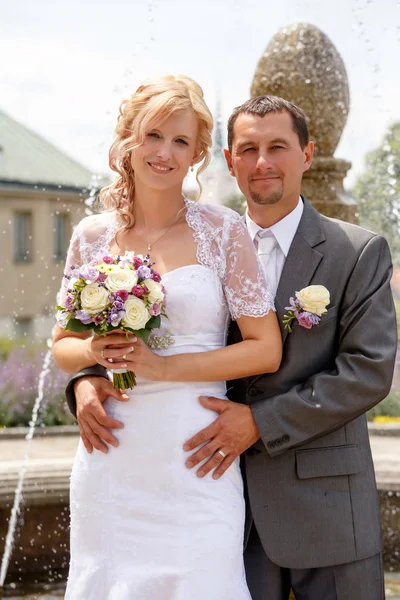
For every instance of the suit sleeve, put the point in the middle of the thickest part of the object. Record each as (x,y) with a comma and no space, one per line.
(94,371)
(363,367)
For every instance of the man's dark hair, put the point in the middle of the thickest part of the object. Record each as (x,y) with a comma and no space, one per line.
(262,105)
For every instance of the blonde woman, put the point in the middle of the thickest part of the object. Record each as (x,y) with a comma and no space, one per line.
(143,526)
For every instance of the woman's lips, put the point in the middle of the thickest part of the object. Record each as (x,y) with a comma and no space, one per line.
(160,169)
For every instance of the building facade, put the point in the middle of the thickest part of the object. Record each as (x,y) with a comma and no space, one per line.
(42,193)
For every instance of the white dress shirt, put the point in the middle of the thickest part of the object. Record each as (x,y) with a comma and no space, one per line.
(273,253)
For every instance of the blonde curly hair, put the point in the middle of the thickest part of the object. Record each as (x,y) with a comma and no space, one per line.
(152,104)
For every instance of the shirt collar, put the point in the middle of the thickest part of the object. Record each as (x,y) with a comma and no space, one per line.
(284,230)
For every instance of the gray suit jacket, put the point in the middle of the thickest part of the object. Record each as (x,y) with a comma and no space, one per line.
(310,478)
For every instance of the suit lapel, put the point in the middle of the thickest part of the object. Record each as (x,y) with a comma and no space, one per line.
(301,261)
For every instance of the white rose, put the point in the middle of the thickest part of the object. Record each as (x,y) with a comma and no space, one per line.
(315,299)
(156,294)
(121,279)
(137,314)
(94,298)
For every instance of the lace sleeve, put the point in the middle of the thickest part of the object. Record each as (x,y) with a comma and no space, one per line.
(245,287)
(224,245)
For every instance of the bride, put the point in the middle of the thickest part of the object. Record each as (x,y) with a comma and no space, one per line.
(143,526)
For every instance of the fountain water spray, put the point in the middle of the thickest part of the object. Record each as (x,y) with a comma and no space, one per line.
(18,491)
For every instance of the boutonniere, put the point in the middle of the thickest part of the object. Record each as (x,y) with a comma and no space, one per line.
(307,307)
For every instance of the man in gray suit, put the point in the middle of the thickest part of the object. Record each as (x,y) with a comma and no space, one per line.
(313,516)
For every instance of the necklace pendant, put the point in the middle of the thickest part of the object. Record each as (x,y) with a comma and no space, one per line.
(149,248)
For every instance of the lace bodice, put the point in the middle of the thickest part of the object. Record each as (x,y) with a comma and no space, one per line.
(223,245)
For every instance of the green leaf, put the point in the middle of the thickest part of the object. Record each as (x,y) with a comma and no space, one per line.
(77,327)
(153,323)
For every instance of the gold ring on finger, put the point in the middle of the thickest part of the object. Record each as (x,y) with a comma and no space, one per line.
(221,453)
(124,356)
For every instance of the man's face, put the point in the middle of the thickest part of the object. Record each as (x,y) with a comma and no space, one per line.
(267,159)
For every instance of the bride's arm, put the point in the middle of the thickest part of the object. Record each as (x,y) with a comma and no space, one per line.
(259,352)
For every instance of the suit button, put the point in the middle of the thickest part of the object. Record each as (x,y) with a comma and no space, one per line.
(271,444)
(279,442)
(286,438)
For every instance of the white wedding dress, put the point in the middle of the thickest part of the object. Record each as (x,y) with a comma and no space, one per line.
(143,525)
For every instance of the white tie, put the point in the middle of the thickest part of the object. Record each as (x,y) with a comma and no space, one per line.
(266,243)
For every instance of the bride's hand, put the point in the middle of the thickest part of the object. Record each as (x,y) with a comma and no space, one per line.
(110,350)
(142,361)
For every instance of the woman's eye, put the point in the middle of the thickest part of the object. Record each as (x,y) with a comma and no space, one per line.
(181,141)
(153,134)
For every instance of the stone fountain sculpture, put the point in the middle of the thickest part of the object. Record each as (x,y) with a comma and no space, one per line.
(302,65)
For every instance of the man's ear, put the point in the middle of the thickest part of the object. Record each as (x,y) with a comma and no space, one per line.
(308,156)
(228,158)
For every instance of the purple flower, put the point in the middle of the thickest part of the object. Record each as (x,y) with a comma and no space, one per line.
(295,305)
(84,317)
(137,291)
(69,302)
(144,272)
(89,274)
(307,319)
(123,295)
(155,310)
(98,319)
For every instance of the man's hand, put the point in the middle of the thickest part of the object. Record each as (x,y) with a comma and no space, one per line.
(94,423)
(232,432)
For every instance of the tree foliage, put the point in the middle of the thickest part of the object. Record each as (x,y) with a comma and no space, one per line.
(236,202)
(377,190)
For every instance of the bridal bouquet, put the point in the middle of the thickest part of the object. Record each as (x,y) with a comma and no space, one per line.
(114,293)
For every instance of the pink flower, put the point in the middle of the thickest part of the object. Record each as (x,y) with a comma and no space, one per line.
(137,262)
(102,277)
(108,259)
(304,320)
(155,310)
(137,291)
(156,276)
(123,295)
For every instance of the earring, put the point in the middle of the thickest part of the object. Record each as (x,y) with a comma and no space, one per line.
(192,168)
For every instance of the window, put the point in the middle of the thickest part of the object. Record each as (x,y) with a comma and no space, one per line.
(61,230)
(23,237)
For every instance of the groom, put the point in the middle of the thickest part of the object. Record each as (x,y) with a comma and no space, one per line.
(313,516)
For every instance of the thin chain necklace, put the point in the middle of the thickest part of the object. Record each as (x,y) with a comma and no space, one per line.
(151,244)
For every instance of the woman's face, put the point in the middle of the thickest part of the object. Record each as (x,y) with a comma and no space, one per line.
(167,152)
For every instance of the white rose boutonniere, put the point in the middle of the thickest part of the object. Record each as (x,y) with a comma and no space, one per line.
(308,306)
